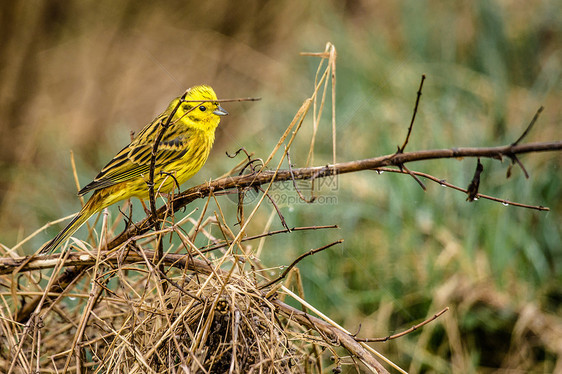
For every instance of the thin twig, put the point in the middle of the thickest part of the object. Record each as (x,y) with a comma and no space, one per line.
(279,214)
(312,198)
(514,158)
(164,127)
(329,328)
(444,183)
(401,149)
(297,260)
(419,93)
(171,175)
(413,175)
(411,329)
(530,126)
(270,233)
(241,149)
(128,218)
(178,287)
(234,100)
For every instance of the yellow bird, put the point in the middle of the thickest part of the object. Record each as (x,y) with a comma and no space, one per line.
(182,151)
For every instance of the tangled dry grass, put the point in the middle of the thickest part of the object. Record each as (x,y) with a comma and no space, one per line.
(121,315)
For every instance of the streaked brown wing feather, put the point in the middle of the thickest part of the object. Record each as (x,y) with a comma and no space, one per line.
(133,161)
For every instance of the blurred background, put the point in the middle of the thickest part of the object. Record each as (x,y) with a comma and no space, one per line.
(80,75)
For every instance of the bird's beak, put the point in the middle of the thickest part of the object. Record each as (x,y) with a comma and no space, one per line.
(220,111)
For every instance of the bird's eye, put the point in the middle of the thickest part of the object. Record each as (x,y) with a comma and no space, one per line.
(202,108)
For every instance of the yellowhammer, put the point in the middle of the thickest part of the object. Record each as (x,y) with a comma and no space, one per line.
(182,152)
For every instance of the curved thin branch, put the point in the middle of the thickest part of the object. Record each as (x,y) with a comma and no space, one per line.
(297,260)
(405,332)
(444,183)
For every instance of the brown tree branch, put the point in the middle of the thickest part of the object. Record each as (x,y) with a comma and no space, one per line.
(264,177)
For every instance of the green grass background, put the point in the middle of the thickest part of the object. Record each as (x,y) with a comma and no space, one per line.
(79,75)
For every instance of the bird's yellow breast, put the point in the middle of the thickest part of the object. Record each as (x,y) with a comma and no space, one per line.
(168,177)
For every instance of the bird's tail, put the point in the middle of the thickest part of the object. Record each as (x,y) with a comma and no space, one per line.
(81,217)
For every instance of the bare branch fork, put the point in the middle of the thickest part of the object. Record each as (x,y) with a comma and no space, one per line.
(297,260)
(405,332)
(401,149)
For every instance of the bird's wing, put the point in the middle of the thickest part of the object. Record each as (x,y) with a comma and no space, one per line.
(133,161)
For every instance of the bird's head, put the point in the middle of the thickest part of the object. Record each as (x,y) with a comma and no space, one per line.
(199,108)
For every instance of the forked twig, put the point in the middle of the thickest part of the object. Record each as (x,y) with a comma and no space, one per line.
(301,196)
(405,332)
(272,201)
(513,157)
(401,149)
(297,260)
(413,175)
(444,183)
